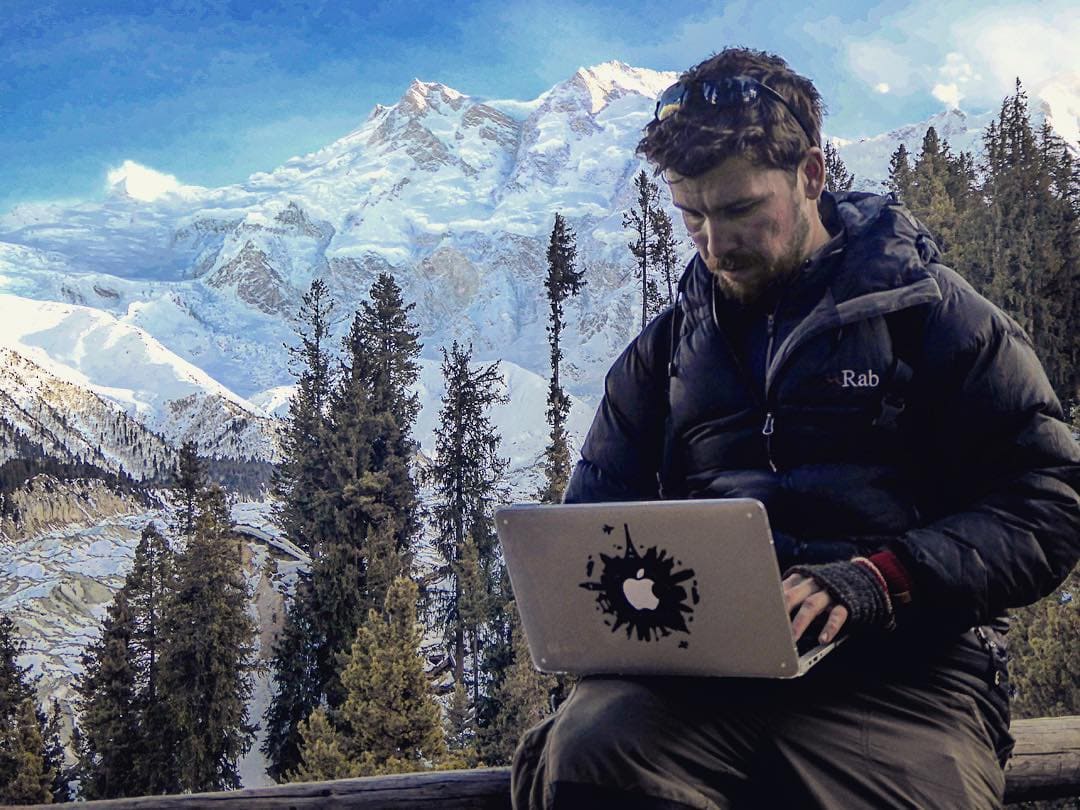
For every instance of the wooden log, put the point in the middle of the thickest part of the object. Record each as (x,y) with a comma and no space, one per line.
(1045,765)
(1046,761)
(479,789)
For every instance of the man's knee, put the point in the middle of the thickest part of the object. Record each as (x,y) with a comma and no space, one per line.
(605,722)
(606,725)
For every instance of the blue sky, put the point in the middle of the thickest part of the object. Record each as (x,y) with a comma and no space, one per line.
(213,91)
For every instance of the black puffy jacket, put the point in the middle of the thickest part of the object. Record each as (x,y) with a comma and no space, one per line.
(975,486)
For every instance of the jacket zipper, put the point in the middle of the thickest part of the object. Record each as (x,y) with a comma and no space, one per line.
(768,427)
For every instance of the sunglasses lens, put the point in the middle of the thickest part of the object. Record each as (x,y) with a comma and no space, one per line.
(670,101)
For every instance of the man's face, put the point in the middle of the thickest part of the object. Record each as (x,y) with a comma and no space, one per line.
(748,223)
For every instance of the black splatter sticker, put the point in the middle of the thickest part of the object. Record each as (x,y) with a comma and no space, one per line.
(642,592)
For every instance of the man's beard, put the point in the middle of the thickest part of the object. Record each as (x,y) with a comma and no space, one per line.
(763,275)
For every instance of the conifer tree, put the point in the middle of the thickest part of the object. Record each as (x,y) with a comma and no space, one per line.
(393,718)
(298,479)
(523,697)
(665,252)
(640,220)
(147,588)
(563,280)
(303,514)
(23,743)
(363,513)
(369,487)
(467,479)
(389,721)
(109,721)
(1044,666)
(837,176)
(930,200)
(323,755)
(25,767)
(460,722)
(901,180)
(189,481)
(54,756)
(208,659)
(297,682)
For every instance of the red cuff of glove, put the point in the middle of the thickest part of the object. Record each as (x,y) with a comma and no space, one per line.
(895,574)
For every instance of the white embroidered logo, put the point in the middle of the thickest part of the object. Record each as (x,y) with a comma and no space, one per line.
(852,379)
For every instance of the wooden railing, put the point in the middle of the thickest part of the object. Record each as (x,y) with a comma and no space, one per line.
(1045,765)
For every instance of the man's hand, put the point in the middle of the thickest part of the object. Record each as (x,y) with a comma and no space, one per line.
(810,600)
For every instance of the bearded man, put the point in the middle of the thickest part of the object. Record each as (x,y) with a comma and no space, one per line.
(903,437)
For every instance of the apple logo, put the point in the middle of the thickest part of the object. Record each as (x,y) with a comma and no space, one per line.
(643,592)
(639,592)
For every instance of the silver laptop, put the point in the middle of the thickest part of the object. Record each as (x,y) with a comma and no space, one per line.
(653,587)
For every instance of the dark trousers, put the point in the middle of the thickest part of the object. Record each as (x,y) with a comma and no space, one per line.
(652,743)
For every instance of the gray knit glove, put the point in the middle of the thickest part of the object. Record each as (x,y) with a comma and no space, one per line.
(856,586)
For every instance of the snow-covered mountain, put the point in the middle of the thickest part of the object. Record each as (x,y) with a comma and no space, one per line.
(195,288)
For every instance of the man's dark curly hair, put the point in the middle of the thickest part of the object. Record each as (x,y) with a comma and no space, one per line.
(693,141)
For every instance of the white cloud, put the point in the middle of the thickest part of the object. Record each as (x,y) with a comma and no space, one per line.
(948,94)
(1035,46)
(141,182)
(882,87)
(881,63)
(957,68)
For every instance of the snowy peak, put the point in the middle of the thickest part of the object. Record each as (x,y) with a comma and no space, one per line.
(421,97)
(608,81)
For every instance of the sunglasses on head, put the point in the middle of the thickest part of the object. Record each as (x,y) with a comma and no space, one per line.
(733,91)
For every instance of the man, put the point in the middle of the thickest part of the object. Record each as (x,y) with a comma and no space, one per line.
(904,439)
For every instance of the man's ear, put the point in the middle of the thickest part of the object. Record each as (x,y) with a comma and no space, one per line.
(812,170)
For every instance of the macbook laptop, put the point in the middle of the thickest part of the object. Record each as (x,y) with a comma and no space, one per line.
(651,587)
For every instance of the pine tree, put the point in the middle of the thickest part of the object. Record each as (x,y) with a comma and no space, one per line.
(297,683)
(303,514)
(901,180)
(563,280)
(208,659)
(54,757)
(189,481)
(323,756)
(23,742)
(929,197)
(298,479)
(640,221)
(25,772)
(109,722)
(523,697)
(461,738)
(147,588)
(369,488)
(837,176)
(467,480)
(389,721)
(1045,660)
(395,721)
(665,252)
(127,735)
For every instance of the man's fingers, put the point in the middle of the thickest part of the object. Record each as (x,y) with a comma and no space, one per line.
(812,606)
(837,616)
(796,590)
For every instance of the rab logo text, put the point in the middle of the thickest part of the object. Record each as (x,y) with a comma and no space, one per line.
(853,379)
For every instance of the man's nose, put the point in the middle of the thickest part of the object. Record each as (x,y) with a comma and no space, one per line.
(717,238)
